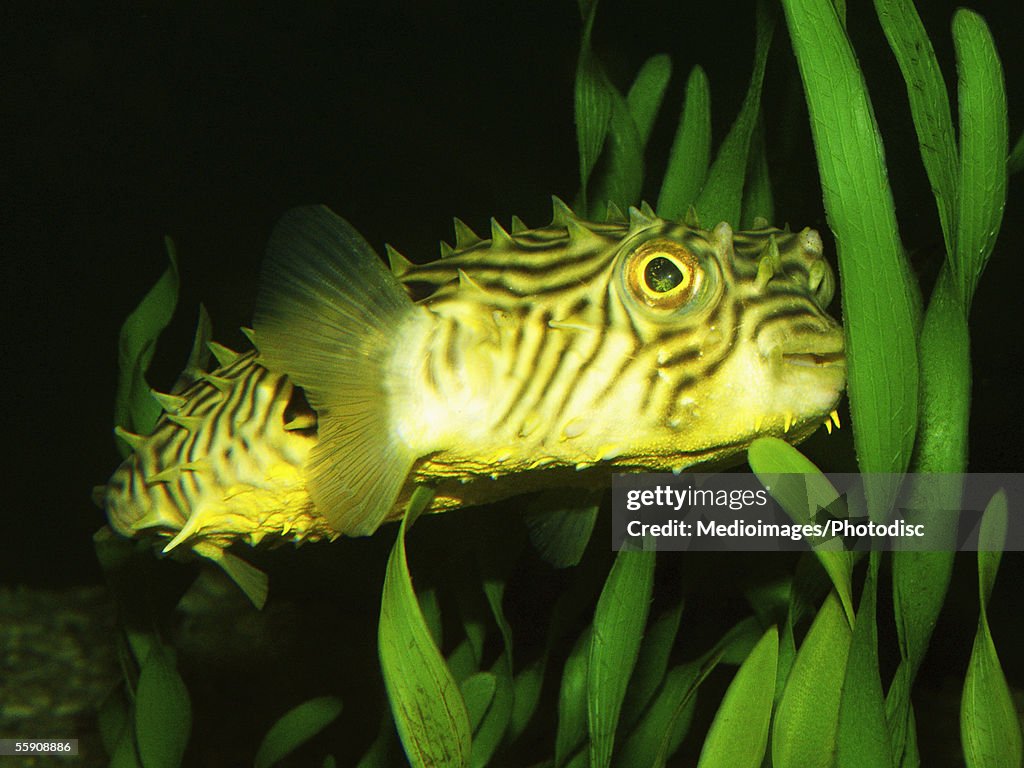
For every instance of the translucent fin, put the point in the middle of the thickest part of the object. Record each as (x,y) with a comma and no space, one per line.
(328,314)
(251,580)
(560,524)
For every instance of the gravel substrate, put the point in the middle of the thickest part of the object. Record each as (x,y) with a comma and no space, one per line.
(57,663)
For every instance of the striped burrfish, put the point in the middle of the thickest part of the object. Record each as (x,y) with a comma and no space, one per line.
(532,359)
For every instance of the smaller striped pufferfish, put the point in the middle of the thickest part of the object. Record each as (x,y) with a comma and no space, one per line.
(537,358)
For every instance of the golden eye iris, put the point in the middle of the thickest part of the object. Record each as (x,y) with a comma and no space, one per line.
(663,274)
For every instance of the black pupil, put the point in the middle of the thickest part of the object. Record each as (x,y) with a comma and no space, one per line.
(661,275)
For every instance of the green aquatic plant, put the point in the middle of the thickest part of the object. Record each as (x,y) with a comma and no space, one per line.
(459,696)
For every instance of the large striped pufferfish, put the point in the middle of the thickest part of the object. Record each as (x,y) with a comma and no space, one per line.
(535,358)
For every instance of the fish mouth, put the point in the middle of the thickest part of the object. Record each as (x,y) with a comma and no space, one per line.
(815,359)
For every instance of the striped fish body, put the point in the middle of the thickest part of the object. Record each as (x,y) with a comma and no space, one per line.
(546,350)
(535,358)
(223,463)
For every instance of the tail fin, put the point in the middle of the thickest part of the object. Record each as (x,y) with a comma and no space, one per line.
(328,314)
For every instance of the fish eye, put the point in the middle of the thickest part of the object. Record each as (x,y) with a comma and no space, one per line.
(664,274)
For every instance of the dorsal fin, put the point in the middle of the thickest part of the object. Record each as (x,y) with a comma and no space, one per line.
(328,314)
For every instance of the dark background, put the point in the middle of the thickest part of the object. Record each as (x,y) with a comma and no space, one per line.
(126,121)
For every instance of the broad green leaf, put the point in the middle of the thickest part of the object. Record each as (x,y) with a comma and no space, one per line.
(619,620)
(431,610)
(691,150)
(650,666)
(113,718)
(757,192)
(989,725)
(646,93)
(929,106)
(134,407)
(297,726)
(735,645)
(878,304)
(623,173)
(478,693)
(658,734)
(571,732)
(722,195)
(163,712)
(665,722)
(863,731)
(984,140)
(124,754)
(802,490)
(463,662)
(594,97)
(804,732)
(990,728)
(739,733)
(526,696)
(495,723)
(920,579)
(990,546)
(429,712)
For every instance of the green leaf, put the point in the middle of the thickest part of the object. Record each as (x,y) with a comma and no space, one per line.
(478,693)
(623,173)
(804,733)
(801,489)
(878,303)
(619,620)
(429,712)
(113,718)
(984,140)
(492,729)
(863,731)
(991,540)
(594,97)
(571,732)
(430,607)
(163,712)
(722,195)
(134,407)
(691,150)
(297,726)
(990,728)
(664,724)
(496,722)
(526,696)
(124,754)
(739,732)
(757,192)
(945,382)
(929,106)
(651,664)
(646,93)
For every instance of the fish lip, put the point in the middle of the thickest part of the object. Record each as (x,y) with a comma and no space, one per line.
(814,358)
